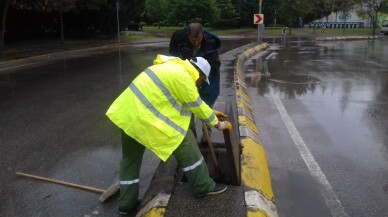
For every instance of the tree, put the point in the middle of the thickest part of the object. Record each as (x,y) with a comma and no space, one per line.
(186,11)
(229,15)
(47,6)
(271,10)
(290,11)
(345,7)
(4,9)
(156,10)
(373,8)
(246,9)
(132,10)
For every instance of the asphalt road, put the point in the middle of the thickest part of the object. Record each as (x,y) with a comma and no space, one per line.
(53,124)
(321,109)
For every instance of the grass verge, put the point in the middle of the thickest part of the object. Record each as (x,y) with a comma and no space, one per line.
(42,46)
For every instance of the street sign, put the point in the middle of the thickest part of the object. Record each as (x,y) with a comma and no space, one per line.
(258,18)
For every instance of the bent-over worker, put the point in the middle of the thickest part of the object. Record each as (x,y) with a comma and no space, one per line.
(154,112)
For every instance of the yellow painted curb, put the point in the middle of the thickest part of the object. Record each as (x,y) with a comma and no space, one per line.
(155,212)
(254,168)
(243,95)
(255,176)
(244,105)
(245,121)
(256,213)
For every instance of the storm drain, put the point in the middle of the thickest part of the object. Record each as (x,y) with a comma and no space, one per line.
(227,155)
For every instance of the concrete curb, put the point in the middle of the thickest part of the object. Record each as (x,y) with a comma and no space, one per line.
(255,176)
(346,38)
(64,53)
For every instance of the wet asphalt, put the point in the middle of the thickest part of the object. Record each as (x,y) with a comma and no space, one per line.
(334,93)
(53,124)
(321,111)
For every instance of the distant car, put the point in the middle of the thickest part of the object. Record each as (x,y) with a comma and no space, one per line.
(134,27)
(384,27)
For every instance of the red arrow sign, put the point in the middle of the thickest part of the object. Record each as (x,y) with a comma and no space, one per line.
(258,18)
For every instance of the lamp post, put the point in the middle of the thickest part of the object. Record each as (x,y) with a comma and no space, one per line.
(118,21)
(259,29)
(275,19)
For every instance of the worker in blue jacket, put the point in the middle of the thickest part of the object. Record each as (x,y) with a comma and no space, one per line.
(194,41)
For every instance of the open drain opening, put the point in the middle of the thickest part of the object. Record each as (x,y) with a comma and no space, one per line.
(227,155)
(222,174)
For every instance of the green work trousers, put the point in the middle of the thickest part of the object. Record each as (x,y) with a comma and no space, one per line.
(188,156)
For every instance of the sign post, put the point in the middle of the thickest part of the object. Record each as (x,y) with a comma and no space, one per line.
(259,26)
(259,19)
(118,21)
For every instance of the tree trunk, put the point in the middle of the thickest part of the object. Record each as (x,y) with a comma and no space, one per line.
(343,30)
(374,23)
(61,21)
(3,9)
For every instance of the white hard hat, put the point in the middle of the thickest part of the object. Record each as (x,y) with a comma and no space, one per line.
(203,65)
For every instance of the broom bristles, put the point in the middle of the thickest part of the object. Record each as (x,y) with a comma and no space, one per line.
(113,189)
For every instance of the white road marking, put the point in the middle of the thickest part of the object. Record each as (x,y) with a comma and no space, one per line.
(13,67)
(331,199)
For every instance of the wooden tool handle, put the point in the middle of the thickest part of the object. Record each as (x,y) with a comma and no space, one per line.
(83,187)
(209,143)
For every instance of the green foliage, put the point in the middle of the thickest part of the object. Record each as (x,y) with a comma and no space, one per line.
(186,11)
(44,6)
(229,16)
(88,17)
(291,11)
(246,9)
(372,8)
(157,11)
(175,12)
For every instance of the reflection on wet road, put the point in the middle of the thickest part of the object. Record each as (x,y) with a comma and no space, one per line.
(328,148)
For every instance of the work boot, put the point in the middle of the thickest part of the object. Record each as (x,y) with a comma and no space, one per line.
(131,212)
(218,189)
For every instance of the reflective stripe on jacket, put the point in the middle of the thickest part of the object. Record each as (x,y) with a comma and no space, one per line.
(156,107)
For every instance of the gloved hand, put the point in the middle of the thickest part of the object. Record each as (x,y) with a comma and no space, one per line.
(224,125)
(220,116)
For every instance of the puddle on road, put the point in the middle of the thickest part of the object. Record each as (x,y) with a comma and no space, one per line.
(296,79)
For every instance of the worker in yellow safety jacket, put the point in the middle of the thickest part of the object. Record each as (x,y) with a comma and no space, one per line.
(154,113)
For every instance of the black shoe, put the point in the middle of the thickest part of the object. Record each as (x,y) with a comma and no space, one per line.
(218,189)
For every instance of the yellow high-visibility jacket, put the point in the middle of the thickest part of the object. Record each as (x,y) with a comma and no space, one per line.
(156,108)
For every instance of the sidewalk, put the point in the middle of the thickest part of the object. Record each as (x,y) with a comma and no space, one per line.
(36,51)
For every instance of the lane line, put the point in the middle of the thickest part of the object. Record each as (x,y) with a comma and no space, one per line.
(13,67)
(331,199)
